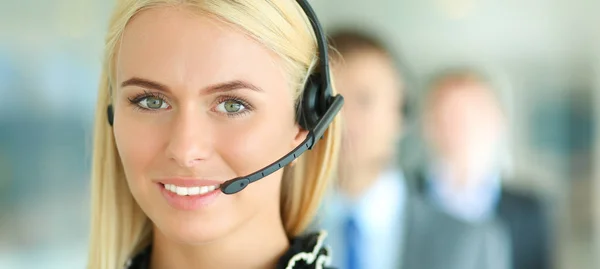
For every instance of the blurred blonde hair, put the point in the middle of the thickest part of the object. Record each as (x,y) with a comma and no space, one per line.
(119,227)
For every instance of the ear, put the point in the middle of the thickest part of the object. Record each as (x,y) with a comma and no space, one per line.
(300,136)
(428,130)
(400,126)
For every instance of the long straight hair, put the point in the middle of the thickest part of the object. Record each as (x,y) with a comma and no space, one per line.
(119,227)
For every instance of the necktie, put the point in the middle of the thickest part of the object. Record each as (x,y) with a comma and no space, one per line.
(352,236)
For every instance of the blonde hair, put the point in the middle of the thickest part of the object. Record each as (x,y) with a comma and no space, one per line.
(119,226)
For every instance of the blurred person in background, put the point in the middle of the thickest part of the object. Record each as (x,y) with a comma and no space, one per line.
(465,129)
(374,220)
(361,229)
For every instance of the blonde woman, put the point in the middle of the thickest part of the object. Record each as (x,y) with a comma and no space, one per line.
(206,100)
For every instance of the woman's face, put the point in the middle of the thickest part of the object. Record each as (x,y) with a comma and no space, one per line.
(199,103)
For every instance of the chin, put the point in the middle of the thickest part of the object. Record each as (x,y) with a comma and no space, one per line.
(192,231)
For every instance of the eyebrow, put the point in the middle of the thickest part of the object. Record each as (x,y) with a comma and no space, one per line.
(145,83)
(220,87)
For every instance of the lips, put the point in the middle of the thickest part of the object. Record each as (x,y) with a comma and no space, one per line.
(189,182)
(189,194)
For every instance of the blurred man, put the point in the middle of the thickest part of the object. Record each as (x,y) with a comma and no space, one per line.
(364,213)
(465,128)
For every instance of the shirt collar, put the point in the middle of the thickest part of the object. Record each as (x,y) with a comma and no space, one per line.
(387,191)
(471,203)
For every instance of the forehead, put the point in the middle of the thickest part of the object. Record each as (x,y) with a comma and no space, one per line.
(462,90)
(178,47)
(465,98)
(369,69)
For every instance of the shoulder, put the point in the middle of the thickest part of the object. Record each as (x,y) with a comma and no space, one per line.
(307,252)
(524,200)
(521,207)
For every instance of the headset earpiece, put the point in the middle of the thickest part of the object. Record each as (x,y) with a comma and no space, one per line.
(309,113)
(110,114)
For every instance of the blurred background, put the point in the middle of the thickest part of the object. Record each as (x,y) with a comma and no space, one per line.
(545,52)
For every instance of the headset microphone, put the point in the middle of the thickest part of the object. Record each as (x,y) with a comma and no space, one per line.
(315,112)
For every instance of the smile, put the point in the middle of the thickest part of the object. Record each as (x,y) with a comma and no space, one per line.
(190,191)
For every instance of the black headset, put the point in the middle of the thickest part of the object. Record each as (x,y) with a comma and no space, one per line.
(315,111)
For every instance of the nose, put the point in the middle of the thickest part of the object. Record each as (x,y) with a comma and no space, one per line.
(191,139)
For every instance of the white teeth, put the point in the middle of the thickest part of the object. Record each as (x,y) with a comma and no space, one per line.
(170,187)
(183,191)
(194,191)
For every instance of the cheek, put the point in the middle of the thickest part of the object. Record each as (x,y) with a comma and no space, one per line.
(138,146)
(256,144)
(246,148)
(373,124)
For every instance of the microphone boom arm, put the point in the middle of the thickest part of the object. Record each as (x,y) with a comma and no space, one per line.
(237,184)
